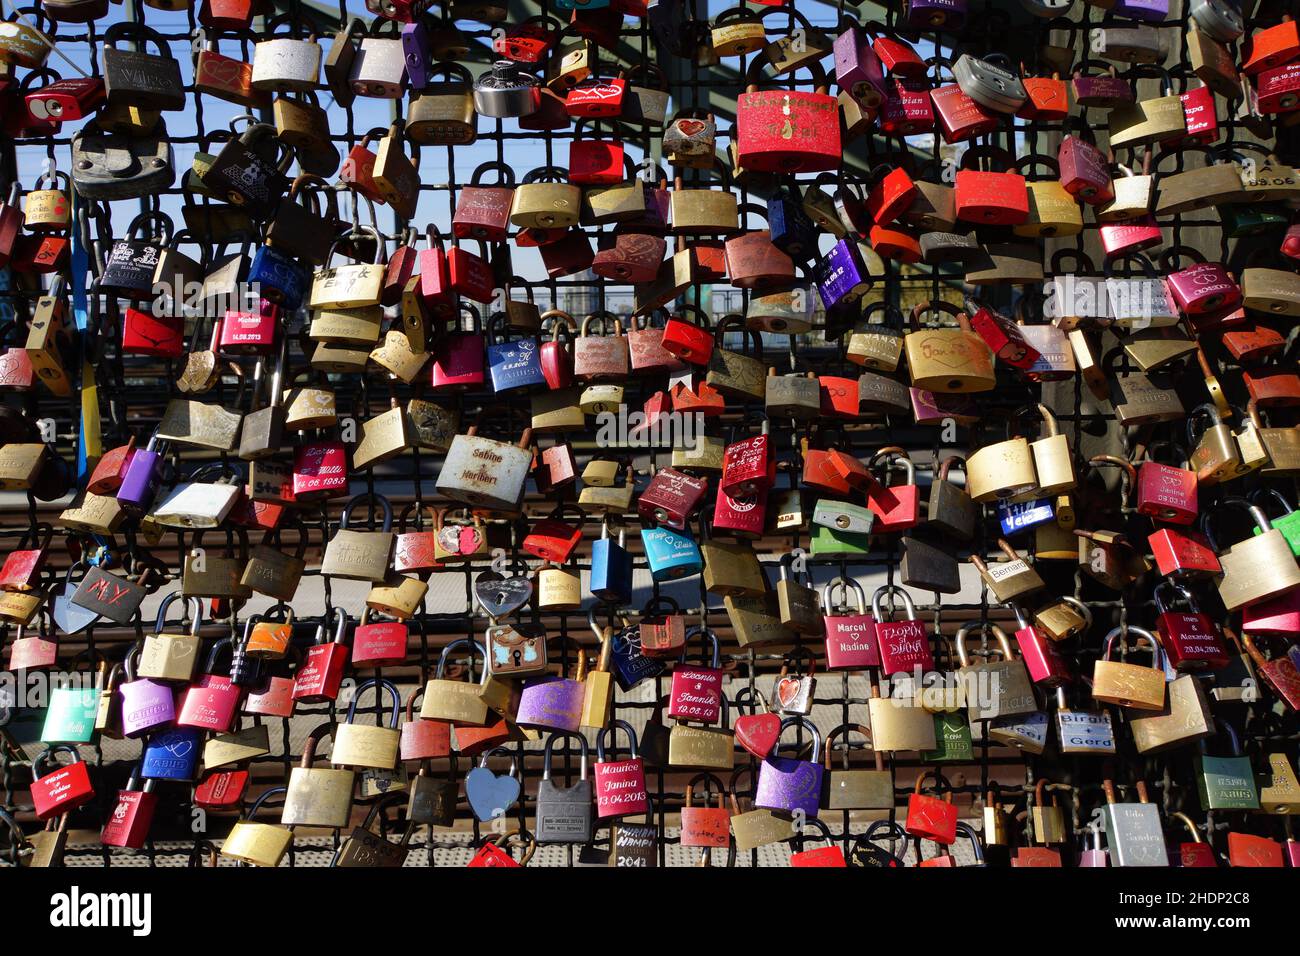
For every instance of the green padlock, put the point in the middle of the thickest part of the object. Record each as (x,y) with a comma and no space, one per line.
(1288,523)
(1247,220)
(829,541)
(70,717)
(952,734)
(1226,783)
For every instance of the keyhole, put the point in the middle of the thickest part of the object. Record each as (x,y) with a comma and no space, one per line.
(518,657)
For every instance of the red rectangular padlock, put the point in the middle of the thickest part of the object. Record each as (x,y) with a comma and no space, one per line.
(1036,856)
(904,645)
(907,109)
(248,332)
(209,703)
(320,470)
(423,739)
(851,642)
(552,539)
(470,275)
(1199,114)
(748,466)
(743,516)
(1045,664)
(554,468)
(40,254)
(1085,173)
(32,653)
(960,117)
(482,212)
(696,694)
(161,336)
(1279,89)
(1167,492)
(1121,238)
(489,854)
(1277,615)
(821,473)
(594,98)
(378,645)
(851,469)
(787,131)
(672,497)
(458,361)
(839,396)
(1203,287)
(128,824)
(991,199)
(16,369)
(620,786)
(1246,849)
(688,341)
(71,99)
(1183,551)
(270,697)
(891,196)
(896,507)
(61,789)
(822,856)
(594,162)
(1272,47)
(1004,337)
(318,679)
(1196,855)
(929,817)
(221,789)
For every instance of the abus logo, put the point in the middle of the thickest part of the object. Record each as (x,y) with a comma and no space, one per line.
(75,909)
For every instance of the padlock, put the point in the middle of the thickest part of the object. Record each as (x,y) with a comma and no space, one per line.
(1259,568)
(1190,638)
(947,360)
(904,645)
(814,144)
(789,784)
(145,80)
(620,785)
(1046,665)
(62,789)
(932,818)
(357,745)
(994,689)
(1130,685)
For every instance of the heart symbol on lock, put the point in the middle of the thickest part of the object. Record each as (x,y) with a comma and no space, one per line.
(757,733)
(501,596)
(490,795)
(787,691)
(689,127)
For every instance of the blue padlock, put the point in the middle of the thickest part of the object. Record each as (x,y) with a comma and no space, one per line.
(611,567)
(630,666)
(792,228)
(172,755)
(512,364)
(279,276)
(1023,515)
(670,554)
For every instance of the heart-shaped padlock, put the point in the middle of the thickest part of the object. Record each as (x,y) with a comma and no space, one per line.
(490,795)
(499,595)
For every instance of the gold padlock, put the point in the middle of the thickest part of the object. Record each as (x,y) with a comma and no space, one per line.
(1130,685)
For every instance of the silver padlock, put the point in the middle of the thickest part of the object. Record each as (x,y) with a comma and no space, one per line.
(286,64)
(201,502)
(507,91)
(990,85)
(843,516)
(379,68)
(1220,19)
(1135,44)
(109,165)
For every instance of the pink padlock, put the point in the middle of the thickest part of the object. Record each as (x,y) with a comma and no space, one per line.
(320,470)
(696,692)
(620,785)
(211,701)
(1045,664)
(850,638)
(1201,287)
(1121,238)
(250,331)
(904,645)
(458,359)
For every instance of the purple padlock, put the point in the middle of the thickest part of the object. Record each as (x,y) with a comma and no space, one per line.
(948,15)
(143,474)
(146,704)
(415,48)
(857,68)
(1148,11)
(788,784)
(842,275)
(551,703)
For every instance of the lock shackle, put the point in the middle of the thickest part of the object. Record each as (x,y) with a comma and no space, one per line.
(1040,793)
(710,780)
(893,456)
(514,760)
(946,466)
(1229,731)
(612,732)
(1187,822)
(1085,612)
(40,760)
(1234,502)
(1275,494)
(381,687)
(550,745)
(707,635)
(1163,606)
(941,784)
(192,605)
(598,629)
(459,642)
(843,730)
(1157,652)
(843,585)
(891,589)
(530,843)
(251,812)
(1194,416)
(1128,476)
(316,735)
(374,498)
(816,756)
(937,306)
(796,654)
(984,627)
(1170,259)
(225,644)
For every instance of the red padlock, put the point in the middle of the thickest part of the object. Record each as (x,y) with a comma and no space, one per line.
(555,468)
(839,396)
(1248,850)
(492,854)
(470,275)
(900,245)
(1279,89)
(696,692)
(748,466)
(1272,47)
(552,538)
(458,358)
(16,369)
(990,198)
(687,340)
(1278,615)
(743,516)
(619,785)
(358,170)
(829,856)
(62,789)
(483,212)
(896,507)
(128,824)
(423,739)
(907,110)
(1121,238)
(382,644)
(226,14)
(320,470)
(1183,551)
(414,550)
(1085,173)
(144,333)
(672,497)
(22,566)
(1045,663)
(929,817)
(221,789)
(595,162)
(787,131)
(527,42)
(1190,638)
(1003,336)
(897,55)
(892,192)
(960,117)
(1167,492)
(596,98)
(318,679)
(851,642)
(904,645)
(1199,114)
(32,652)
(824,471)
(111,468)
(250,332)
(71,99)
(705,826)
(556,356)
